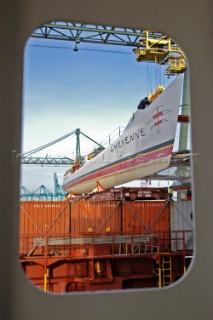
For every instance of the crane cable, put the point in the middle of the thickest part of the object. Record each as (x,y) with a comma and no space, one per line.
(154,77)
(149,85)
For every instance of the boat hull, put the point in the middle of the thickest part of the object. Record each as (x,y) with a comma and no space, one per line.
(118,178)
(144,148)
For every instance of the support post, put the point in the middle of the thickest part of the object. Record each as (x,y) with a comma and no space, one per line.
(159,278)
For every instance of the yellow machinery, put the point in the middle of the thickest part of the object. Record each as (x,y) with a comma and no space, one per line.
(161,50)
(175,65)
(156,93)
(95,152)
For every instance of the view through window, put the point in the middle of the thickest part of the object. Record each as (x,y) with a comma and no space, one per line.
(106,192)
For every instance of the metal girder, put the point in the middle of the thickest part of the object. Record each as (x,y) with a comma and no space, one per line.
(80,32)
(44,160)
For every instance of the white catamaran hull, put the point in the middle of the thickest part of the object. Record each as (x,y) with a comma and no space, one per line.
(144,148)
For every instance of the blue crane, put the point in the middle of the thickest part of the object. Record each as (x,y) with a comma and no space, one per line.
(59,193)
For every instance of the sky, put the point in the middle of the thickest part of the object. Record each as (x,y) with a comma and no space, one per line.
(96,89)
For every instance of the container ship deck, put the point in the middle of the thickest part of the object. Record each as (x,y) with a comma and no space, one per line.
(117,239)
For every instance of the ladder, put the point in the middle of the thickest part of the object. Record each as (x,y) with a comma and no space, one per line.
(166,271)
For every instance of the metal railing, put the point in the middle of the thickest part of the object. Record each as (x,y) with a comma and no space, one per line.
(88,245)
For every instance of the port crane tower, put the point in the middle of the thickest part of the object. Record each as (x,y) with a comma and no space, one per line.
(43,193)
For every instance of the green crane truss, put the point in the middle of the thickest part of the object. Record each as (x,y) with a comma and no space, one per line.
(27,158)
(81,32)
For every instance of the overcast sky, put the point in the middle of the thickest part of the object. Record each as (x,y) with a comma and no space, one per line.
(95,89)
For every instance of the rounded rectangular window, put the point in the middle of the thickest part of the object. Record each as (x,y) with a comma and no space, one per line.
(106,188)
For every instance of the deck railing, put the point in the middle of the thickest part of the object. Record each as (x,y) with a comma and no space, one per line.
(95,245)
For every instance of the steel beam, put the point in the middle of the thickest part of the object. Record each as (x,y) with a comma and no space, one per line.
(92,33)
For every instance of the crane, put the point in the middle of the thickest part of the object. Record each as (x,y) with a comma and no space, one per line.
(27,158)
(161,50)
(59,193)
(43,193)
(149,46)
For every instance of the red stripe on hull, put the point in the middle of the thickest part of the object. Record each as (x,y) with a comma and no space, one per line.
(127,164)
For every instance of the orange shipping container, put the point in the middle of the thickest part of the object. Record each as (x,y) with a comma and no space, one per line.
(140,217)
(98,217)
(69,220)
(42,218)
